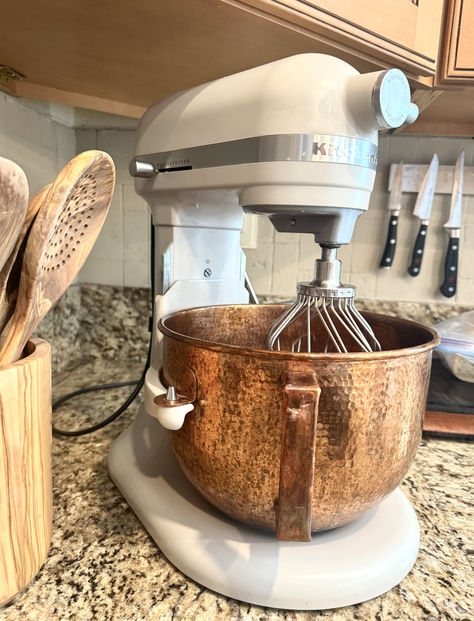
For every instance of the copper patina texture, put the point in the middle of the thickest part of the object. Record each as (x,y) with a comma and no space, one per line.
(244,447)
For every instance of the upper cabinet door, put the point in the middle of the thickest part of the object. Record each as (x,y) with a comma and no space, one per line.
(402,33)
(457,58)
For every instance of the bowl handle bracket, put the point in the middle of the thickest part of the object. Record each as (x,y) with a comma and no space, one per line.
(298,439)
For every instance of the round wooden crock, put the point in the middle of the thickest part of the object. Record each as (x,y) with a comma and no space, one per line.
(257,427)
(25,468)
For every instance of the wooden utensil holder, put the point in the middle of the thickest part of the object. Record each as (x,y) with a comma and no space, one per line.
(25,468)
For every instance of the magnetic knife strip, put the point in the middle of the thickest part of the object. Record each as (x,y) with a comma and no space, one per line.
(413,175)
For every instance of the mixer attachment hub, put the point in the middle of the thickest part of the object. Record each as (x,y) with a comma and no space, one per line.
(310,289)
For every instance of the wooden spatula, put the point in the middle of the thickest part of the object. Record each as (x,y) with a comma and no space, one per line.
(59,242)
(13,203)
(11,271)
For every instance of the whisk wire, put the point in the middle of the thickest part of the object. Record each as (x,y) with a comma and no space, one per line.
(282,322)
(351,326)
(308,323)
(331,328)
(362,320)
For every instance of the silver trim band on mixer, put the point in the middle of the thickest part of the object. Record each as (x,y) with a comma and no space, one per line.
(274,148)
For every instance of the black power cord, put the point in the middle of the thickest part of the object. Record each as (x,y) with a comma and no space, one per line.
(138,384)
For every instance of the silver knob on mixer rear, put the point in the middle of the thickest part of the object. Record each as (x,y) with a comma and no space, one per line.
(391,100)
(380,100)
(138,168)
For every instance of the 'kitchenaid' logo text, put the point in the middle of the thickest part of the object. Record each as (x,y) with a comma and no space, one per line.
(346,153)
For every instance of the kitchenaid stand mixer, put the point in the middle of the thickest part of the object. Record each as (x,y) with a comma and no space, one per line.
(295,140)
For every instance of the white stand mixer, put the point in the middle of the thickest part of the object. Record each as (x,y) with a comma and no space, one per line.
(295,140)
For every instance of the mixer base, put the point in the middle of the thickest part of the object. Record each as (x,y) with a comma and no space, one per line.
(345,566)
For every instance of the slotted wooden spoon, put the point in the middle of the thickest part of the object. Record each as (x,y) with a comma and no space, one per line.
(13,203)
(10,273)
(59,242)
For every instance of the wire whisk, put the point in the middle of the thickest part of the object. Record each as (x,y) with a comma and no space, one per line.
(324,317)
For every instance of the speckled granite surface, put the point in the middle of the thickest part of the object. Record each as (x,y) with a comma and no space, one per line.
(97,321)
(102,563)
(104,566)
(114,321)
(428,314)
(102,321)
(62,328)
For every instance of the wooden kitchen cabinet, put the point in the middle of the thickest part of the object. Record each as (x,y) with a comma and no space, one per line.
(451,109)
(456,65)
(121,56)
(402,33)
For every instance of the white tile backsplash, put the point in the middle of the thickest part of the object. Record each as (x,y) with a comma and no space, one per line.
(285,267)
(121,146)
(121,254)
(447,149)
(465,290)
(86,139)
(136,225)
(136,273)
(125,237)
(39,145)
(260,266)
(266,230)
(281,259)
(109,244)
(365,284)
(361,258)
(102,271)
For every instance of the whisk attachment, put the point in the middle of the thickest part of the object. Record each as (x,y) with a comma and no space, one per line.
(324,317)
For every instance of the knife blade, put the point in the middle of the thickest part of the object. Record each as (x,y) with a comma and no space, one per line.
(453,228)
(394,209)
(422,210)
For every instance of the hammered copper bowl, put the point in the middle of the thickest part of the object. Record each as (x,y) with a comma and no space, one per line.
(258,444)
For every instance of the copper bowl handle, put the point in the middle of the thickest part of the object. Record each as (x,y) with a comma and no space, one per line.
(298,439)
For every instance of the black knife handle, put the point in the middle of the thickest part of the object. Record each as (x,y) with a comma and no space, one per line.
(417,255)
(448,288)
(391,243)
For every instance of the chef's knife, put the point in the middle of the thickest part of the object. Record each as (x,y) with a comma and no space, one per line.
(453,228)
(394,208)
(422,210)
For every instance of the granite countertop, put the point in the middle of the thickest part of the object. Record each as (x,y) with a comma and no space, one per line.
(103,564)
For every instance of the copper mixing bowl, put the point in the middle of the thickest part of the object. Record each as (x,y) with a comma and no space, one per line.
(294,442)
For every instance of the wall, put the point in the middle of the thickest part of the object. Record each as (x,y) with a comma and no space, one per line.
(40,141)
(33,137)
(121,254)
(281,259)
(30,137)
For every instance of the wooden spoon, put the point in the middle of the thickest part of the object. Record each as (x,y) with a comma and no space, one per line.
(59,242)
(10,273)
(13,203)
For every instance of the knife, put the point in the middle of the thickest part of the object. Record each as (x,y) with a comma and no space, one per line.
(453,228)
(422,210)
(394,208)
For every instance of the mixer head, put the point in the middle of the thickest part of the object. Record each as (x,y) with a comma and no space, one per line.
(324,318)
(295,140)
